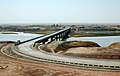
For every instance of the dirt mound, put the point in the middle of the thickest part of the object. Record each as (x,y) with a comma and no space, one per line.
(84,49)
(51,46)
(82,44)
(71,44)
(115,45)
(45,48)
(110,52)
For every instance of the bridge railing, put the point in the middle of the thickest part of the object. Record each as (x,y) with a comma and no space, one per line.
(56,35)
(44,36)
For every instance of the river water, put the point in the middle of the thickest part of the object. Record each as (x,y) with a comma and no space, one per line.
(102,41)
(19,36)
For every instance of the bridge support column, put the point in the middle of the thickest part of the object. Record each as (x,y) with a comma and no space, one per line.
(57,37)
(51,39)
(43,42)
(60,35)
(34,44)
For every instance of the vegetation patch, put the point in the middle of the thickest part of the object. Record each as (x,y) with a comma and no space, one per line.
(94,34)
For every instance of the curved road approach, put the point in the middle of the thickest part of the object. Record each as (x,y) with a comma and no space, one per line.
(25,50)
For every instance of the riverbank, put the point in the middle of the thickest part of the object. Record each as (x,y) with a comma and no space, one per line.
(43,32)
(94,34)
(8,32)
(83,34)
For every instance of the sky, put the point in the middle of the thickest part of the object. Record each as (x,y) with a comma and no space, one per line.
(59,11)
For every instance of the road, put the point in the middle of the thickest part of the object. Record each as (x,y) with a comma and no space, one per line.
(24,49)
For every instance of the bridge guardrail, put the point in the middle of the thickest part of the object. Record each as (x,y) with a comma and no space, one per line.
(45,36)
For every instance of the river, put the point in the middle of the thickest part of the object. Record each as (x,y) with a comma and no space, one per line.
(102,41)
(19,36)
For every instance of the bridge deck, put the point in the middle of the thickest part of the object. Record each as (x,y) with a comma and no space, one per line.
(44,36)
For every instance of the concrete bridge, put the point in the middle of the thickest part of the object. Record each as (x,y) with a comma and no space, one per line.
(58,35)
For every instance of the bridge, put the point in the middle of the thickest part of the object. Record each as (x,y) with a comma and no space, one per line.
(24,49)
(59,35)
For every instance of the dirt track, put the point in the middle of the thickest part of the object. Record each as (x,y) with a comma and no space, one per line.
(16,67)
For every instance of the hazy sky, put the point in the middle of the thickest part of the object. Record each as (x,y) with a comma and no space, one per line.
(59,11)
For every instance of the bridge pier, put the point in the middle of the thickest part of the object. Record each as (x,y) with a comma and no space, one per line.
(52,39)
(59,37)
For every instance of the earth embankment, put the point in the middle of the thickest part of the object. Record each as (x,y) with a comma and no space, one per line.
(84,49)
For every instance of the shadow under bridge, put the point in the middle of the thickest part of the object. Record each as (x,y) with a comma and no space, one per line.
(56,36)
